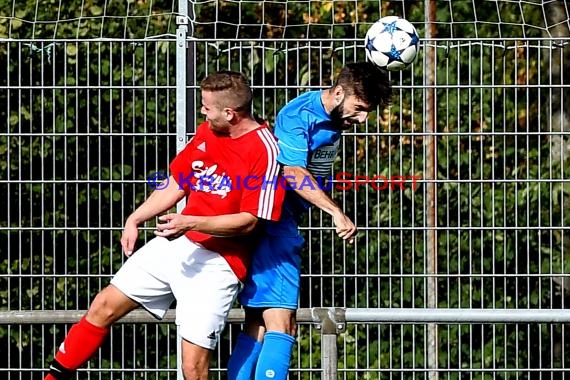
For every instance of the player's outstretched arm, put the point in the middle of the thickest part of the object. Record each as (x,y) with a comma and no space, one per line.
(174,225)
(315,195)
(158,202)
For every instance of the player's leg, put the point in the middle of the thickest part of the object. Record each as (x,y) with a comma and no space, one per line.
(275,345)
(278,319)
(273,289)
(245,353)
(275,356)
(139,282)
(205,288)
(86,336)
(195,361)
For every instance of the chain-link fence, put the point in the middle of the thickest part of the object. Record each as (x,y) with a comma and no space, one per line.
(459,188)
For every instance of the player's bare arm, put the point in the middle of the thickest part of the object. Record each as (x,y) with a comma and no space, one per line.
(345,229)
(174,225)
(158,202)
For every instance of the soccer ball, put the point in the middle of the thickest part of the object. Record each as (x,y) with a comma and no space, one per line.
(392,43)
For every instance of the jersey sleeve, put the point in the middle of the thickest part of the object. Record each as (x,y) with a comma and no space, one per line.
(181,166)
(293,139)
(263,191)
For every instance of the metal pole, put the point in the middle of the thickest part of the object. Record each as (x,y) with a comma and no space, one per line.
(181,36)
(308,316)
(330,321)
(181,103)
(329,355)
(191,75)
(454,316)
(431,190)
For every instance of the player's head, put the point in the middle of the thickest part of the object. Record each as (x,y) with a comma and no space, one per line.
(226,99)
(359,88)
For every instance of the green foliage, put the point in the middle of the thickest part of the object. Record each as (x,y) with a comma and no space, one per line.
(68,168)
(100,115)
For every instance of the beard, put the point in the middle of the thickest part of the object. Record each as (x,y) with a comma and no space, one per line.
(217,129)
(338,120)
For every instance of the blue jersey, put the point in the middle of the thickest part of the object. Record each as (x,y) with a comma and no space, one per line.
(306,138)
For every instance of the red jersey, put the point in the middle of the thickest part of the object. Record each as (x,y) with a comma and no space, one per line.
(224,175)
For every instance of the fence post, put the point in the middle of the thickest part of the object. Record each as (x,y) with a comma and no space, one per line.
(431,205)
(181,36)
(331,322)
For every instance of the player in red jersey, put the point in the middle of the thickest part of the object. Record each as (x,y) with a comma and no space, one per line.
(199,256)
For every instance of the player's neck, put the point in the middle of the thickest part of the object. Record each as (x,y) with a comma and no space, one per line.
(327,98)
(242,127)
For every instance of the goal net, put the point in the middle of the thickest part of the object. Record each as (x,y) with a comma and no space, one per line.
(36,19)
(350,19)
(42,19)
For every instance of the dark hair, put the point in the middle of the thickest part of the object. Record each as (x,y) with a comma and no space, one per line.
(367,82)
(238,94)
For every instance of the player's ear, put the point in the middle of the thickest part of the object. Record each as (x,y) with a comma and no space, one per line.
(338,95)
(229,113)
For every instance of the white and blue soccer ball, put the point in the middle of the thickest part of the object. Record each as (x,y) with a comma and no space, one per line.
(392,43)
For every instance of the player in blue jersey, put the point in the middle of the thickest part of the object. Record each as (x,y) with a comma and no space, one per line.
(308,130)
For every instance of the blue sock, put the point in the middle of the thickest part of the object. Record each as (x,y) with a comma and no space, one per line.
(243,358)
(275,357)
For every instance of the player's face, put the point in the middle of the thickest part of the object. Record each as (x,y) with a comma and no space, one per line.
(349,112)
(216,117)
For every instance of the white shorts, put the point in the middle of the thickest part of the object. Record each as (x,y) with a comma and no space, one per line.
(200,280)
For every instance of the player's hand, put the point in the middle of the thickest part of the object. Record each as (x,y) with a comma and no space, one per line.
(173,225)
(129,237)
(345,229)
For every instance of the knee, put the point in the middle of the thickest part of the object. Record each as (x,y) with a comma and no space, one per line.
(195,370)
(103,311)
(281,320)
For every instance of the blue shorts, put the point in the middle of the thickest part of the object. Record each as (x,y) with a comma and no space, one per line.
(274,273)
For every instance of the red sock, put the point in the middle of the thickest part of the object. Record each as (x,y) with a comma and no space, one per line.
(81,342)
